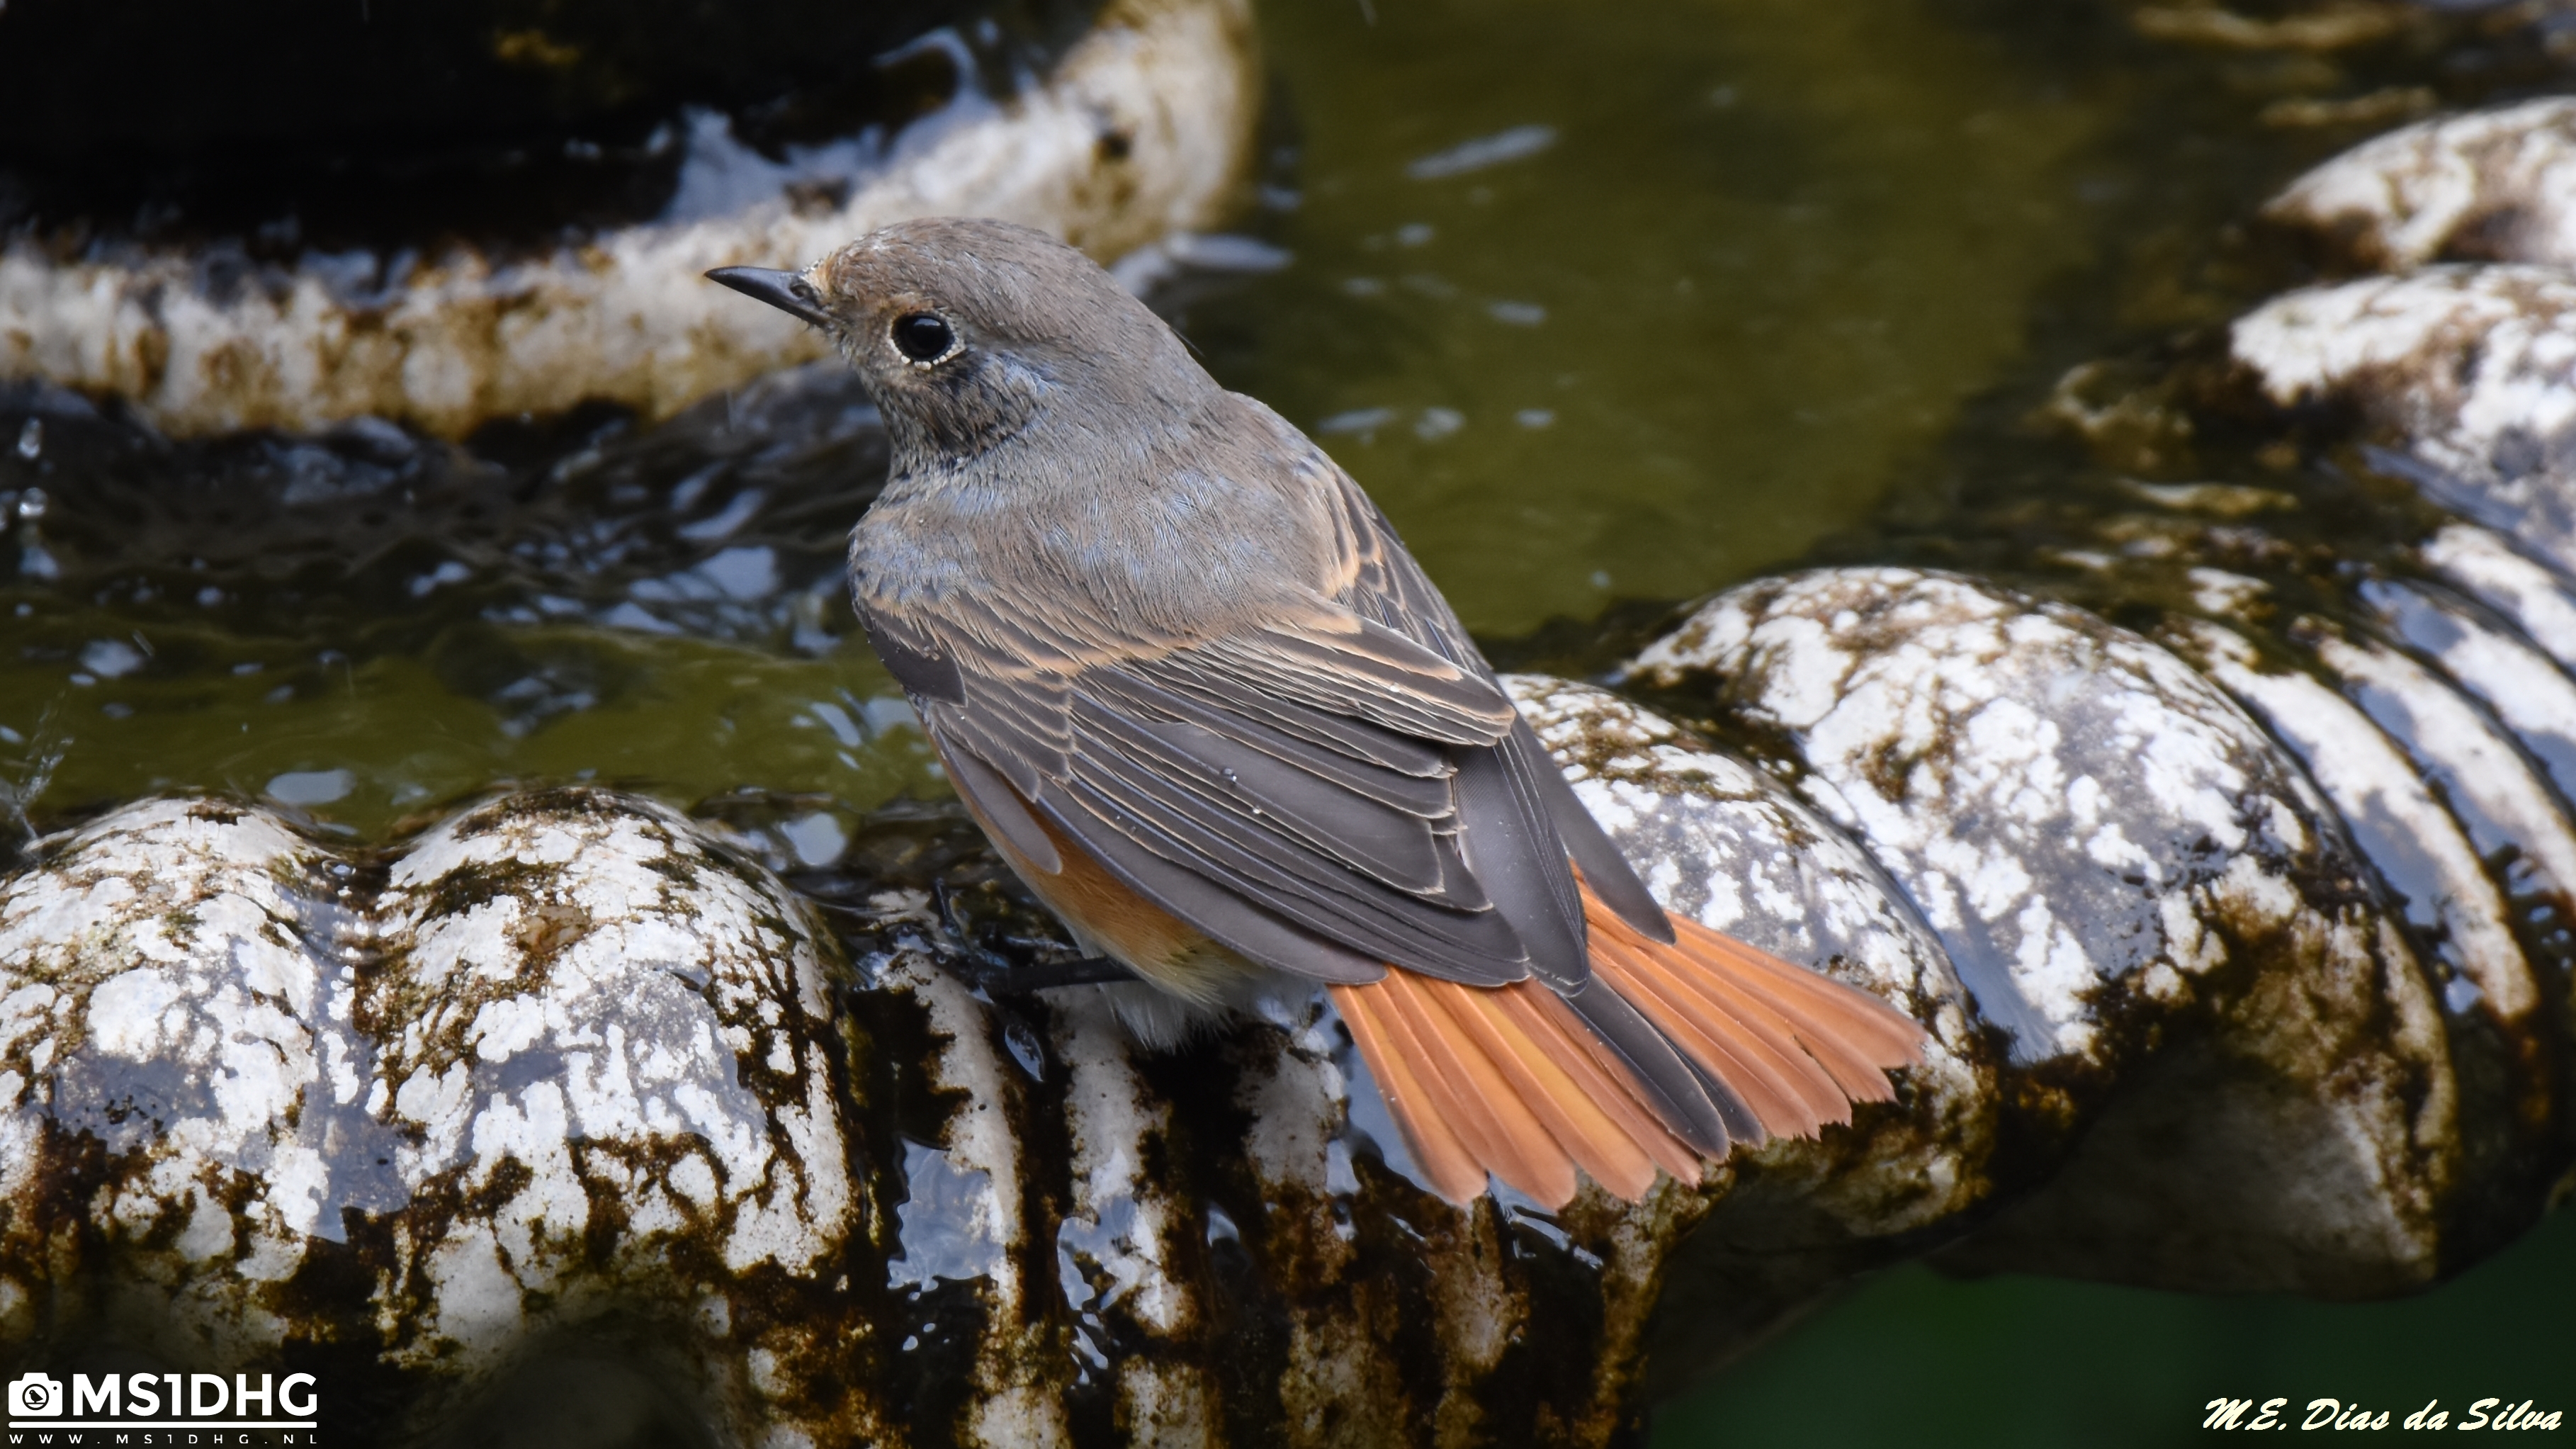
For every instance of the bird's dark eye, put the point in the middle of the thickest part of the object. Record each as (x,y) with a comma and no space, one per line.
(923,336)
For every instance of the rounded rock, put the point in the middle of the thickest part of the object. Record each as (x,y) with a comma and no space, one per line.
(570,1073)
(2494,185)
(2050,790)
(1718,839)
(2144,890)
(183,1099)
(2487,568)
(2468,374)
(611,1052)
(1140,130)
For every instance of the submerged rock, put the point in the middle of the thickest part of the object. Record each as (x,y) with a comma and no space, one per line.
(1141,129)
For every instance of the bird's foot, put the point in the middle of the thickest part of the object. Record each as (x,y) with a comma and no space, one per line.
(968,957)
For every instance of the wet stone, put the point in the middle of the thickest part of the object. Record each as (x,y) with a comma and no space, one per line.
(2466,374)
(2494,185)
(591,1025)
(2536,601)
(1720,839)
(2466,847)
(562,1091)
(2144,891)
(2506,812)
(2050,789)
(570,1075)
(173,1036)
(2528,692)
(577,1092)
(1139,129)
(2384,798)
(1234,1231)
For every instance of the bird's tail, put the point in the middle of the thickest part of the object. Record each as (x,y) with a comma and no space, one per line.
(1518,1082)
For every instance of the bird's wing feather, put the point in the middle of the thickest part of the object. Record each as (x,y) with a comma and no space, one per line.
(1382,582)
(1347,768)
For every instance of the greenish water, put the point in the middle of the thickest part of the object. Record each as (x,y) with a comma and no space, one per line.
(1608,307)
(2032,1363)
(1729,267)
(1754,258)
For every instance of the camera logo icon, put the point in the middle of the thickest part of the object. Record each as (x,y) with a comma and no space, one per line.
(35,1396)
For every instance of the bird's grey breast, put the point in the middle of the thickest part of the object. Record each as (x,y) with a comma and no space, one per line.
(1170,530)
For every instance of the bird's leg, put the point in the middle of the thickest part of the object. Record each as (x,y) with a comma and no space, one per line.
(1085,971)
(984,967)
(969,957)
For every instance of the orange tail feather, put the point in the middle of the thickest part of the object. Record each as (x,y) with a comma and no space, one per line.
(1505,1081)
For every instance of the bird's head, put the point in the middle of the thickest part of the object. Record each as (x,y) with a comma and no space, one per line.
(965,332)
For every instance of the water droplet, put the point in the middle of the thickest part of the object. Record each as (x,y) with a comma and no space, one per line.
(31,439)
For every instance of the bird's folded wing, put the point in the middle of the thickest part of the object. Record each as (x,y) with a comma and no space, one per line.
(1304,772)
(1346,767)
(1379,580)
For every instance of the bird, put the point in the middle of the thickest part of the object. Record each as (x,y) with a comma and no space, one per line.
(1203,702)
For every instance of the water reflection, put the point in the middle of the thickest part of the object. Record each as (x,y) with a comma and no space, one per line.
(363,622)
(1595,303)
(947,1223)
(1659,295)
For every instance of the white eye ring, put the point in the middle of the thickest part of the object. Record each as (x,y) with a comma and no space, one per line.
(924,339)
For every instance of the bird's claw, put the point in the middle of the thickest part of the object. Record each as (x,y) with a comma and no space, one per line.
(979,965)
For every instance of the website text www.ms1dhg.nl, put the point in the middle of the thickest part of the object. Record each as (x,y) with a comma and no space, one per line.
(188,1411)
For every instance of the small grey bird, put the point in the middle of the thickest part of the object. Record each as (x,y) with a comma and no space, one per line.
(1185,676)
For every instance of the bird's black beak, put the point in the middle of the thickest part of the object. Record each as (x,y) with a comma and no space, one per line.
(789,292)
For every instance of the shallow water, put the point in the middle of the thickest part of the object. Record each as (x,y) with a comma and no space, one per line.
(1607,308)
(1632,303)
(1599,309)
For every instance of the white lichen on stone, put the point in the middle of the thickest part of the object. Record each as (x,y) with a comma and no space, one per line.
(2472,369)
(2493,185)
(600,1059)
(1114,1243)
(2503,807)
(1298,1101)
(2056,796)
(1720,841)
(2532,696)
(581,1000)
(166,987)
(1140,130)
(569,1061)
(1011,1404)
(1120,1244)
